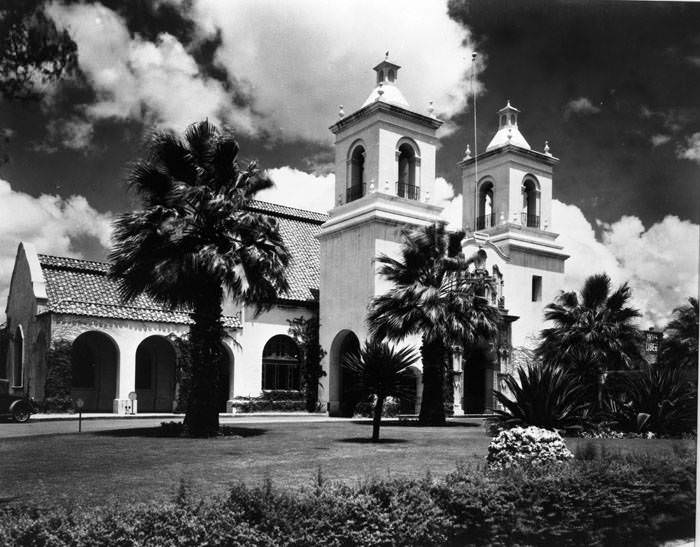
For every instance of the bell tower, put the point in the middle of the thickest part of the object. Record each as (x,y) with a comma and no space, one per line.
(507,206)
(384,179)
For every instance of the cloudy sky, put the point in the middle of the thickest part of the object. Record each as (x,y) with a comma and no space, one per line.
(612,86)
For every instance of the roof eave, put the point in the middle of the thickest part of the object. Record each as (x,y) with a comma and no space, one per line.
(364,112)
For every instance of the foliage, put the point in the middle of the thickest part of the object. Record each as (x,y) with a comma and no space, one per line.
(194,239)
(612,501)
(530,445)
(59,376)
(305,333)
(381,370)
(542,395)
(283,403)
(679,347)
(593,332)
(433,297)
(659,400)
(366,409)
(32,50)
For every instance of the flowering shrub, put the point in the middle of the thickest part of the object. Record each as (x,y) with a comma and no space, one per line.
(531,445)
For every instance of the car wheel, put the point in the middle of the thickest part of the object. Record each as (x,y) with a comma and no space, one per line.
(20,414)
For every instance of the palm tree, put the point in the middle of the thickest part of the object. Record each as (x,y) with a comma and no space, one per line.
(434,298)
(593,332)
(193,240)
(380,370)
(679,348)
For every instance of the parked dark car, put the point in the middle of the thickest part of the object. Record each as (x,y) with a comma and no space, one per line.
(20,408)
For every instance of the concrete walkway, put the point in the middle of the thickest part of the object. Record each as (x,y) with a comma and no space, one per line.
(171,416)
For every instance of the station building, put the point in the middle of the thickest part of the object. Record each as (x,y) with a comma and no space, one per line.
(385,156)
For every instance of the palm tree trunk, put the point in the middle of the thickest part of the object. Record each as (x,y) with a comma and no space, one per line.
(432,410)
(377,420)
(202,417)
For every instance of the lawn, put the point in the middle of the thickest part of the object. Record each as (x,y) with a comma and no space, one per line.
(133,465)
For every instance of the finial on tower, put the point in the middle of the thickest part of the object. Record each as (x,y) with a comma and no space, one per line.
(431,109)
(468,153)
(546,148)
(341,112)
(386,55)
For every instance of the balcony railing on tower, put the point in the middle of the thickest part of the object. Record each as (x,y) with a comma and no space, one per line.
(531,221)
(485,221)
(354,192)
(408,191)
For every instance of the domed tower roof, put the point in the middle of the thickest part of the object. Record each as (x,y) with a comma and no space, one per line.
(508,132)
(386,90)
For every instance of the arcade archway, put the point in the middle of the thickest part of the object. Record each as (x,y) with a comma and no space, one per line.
(343,390)
(94,364)
(155,375)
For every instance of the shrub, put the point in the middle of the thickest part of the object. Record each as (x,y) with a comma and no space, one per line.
(542,395)
(614,500)
(269,404)
(659,400)
(531,445)
(59,376)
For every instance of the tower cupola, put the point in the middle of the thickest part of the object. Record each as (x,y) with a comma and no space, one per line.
(387,90)
(508,132)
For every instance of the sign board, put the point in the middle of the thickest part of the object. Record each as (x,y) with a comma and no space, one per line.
(132,396)
(79,403)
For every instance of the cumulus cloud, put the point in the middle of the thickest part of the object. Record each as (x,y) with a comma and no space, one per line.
(296,188)
(582,106)
(133,78)
(658,140)
(452,204)
(292,64)
(300,60)
(691,150)
(660,263)
(53,224)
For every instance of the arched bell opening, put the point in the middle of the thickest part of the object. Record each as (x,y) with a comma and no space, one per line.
(486,216)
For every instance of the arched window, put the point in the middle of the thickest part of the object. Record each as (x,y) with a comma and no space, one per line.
(486,217)
(407,184)
(392,75)
(356,187)
(531,199)
(281,364)
(17,368)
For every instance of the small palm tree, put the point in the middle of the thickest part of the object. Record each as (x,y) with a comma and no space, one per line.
(679,348)
(193,240)
(432,297)
(543,395)
(380,370)
(594,332)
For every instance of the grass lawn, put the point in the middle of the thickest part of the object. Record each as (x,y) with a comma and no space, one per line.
(133,465)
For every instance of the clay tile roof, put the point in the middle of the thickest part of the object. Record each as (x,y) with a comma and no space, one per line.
(299,229)
(81,287)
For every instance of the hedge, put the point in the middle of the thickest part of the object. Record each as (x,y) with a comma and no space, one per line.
(619,500)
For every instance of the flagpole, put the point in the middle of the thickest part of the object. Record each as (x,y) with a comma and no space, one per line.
(476,150)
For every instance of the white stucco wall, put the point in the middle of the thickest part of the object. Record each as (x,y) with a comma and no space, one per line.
(256,332)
